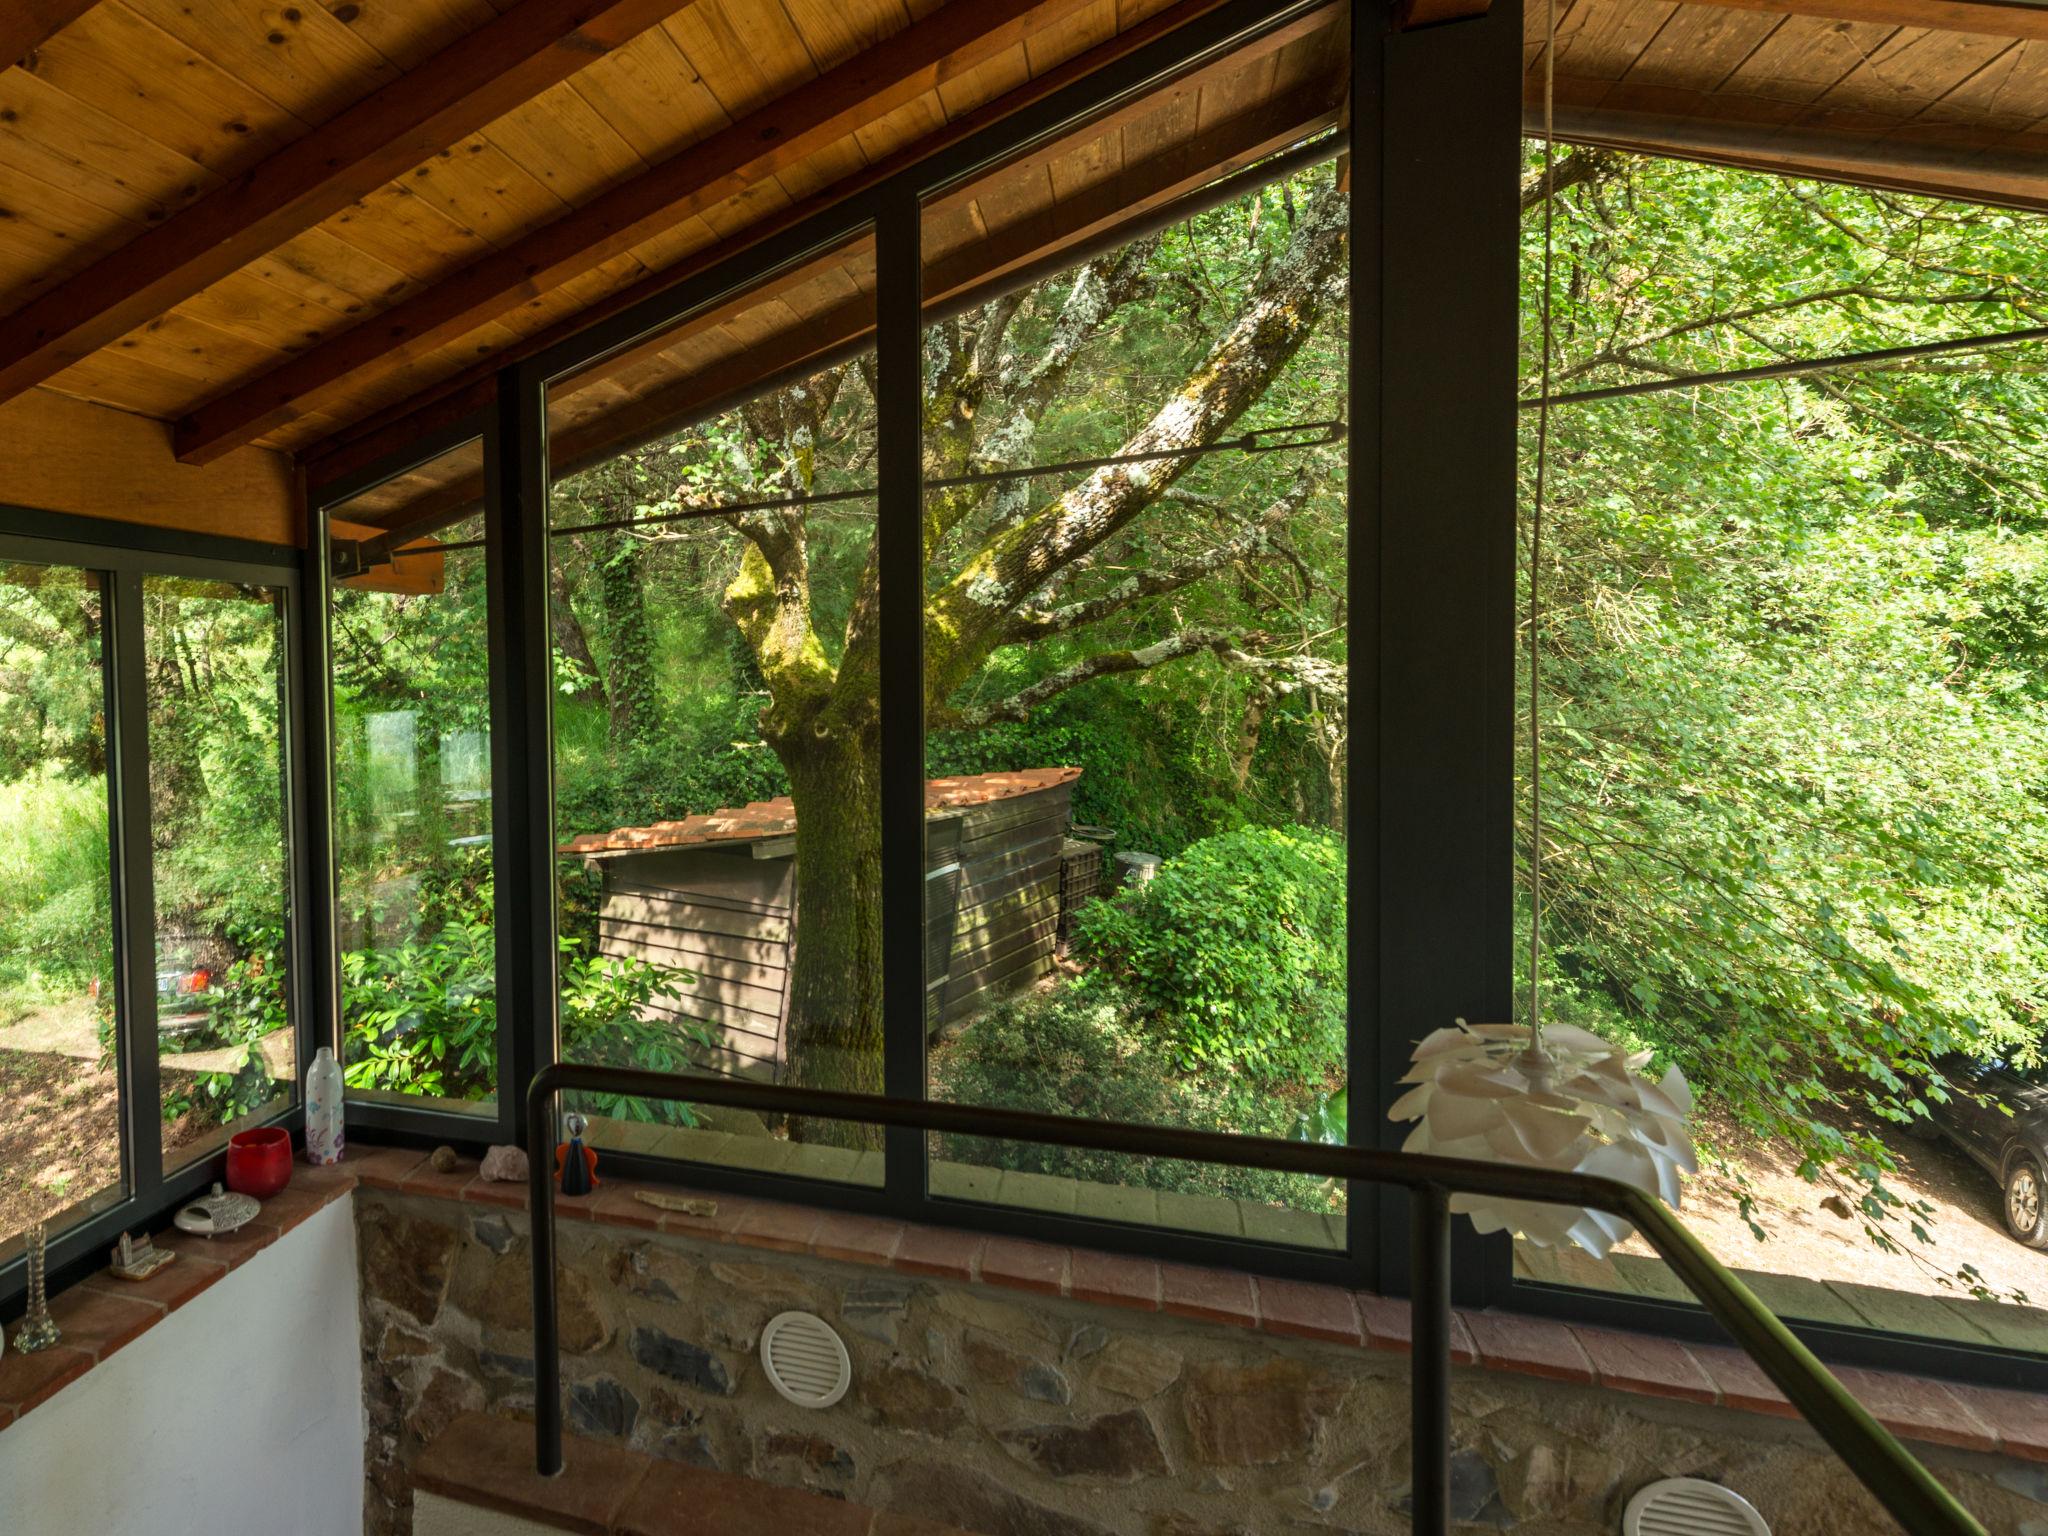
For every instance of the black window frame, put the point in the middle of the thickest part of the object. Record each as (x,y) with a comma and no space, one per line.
(123,555)
(1429,854)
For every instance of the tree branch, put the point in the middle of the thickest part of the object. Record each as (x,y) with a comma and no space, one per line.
(1253,540)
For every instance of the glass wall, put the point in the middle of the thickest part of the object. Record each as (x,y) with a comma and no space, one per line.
(214,658)
(1795,828)
(416,911)
(61,1149)
(1135,647)
(716,711)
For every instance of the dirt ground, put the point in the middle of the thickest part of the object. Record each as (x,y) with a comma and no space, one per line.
(60,1140)
(1805,1238)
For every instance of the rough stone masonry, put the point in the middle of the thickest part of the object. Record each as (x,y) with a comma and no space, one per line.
(1019,1415)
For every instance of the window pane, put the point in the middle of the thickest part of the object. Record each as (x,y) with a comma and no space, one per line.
(214,658)
(60,1135)
(716,721)
(415,913)
(1794,825)
(1135,681)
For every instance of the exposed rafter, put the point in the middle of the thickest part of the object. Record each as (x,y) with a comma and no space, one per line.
(862,91)
(501,65)
(25,25)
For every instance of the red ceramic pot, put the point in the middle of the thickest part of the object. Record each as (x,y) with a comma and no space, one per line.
(260,1161)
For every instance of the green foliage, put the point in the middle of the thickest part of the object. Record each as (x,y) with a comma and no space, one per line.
(1086,1049)
(421,1016)
(1235,952)
(56,923)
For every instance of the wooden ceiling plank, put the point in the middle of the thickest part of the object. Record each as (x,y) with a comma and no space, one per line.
(561,140)
(2007,93)
(745,51)
(1603,38)
(56,137)
(298,56)
(1805,59)
(735,160)
(833,31)
(1912,70)
(441,391)
(140,75)
(484,192)
(408,35)
(1995,18)
(456,92)
(651,97)
(1701,46)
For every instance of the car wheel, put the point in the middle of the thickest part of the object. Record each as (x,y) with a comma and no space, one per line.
(2026,1202)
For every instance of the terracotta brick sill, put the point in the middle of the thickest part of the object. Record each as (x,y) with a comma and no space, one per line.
(1969,1417)
(100,1315)
(103,1314)
(606,1490)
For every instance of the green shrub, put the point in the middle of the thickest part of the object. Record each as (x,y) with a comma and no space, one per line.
(1081,1050)
(1235,950)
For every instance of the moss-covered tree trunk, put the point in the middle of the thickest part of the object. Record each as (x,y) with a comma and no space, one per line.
(834,1030)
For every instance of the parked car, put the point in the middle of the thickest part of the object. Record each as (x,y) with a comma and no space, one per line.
(1997,1112)
(180,1003)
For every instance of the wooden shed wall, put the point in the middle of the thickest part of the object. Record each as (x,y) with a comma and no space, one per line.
(992,915)
(723,914)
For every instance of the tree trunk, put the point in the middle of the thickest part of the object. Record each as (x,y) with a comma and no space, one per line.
(834,1031)
(628,641)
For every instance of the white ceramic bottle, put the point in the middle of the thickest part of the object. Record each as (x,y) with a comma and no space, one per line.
(323,1108)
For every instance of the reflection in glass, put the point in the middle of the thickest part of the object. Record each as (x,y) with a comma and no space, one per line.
(60,1138)
(214,659)
(1136,678)
(412,789)
(716,715)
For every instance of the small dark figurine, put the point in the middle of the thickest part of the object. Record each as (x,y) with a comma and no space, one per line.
(575,1164)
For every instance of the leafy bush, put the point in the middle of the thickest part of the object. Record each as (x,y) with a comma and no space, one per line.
(422,1016)
(1236,952)
(1083,1050)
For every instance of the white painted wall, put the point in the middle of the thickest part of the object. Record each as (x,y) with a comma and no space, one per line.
(240,1414)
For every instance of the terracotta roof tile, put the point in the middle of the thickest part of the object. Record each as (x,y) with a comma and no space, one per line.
(777,817)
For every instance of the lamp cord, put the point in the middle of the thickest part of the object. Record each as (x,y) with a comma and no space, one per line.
(1536,536)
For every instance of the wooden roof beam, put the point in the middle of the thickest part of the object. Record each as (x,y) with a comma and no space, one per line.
(25,25)
(863,90)
(496,68)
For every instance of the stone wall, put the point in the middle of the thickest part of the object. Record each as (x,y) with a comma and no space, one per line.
(1021,1415)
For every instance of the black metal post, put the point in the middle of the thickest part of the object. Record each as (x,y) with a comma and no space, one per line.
(547,1344)
(1429,1385)
(134,883)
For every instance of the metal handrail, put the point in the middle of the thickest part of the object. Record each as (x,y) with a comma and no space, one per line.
(1905,1488)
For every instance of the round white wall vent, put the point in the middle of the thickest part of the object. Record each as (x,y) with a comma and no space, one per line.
(805,1360)
(1689,1506)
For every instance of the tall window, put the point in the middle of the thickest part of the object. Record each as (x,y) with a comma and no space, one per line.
(715,609)
(214,660)
(1135,654)
(1795,820)
(416,912)
(61,1140)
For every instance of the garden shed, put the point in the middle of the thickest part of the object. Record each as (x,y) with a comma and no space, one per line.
(716,895)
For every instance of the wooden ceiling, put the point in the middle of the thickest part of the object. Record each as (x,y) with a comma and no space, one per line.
(291,224)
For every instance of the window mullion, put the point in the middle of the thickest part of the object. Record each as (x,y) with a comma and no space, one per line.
(134,884)
(900,559)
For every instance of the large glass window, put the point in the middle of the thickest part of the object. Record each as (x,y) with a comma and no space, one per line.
(214,657)
(416,911)
(61,1154)
(717,726)
(1795,822)
(1135,647)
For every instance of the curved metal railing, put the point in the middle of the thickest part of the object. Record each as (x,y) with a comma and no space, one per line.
(1905,1488)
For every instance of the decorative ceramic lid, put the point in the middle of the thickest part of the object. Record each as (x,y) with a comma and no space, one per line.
(218,1213)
